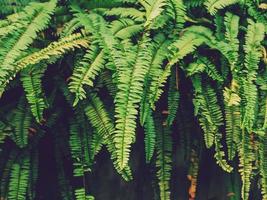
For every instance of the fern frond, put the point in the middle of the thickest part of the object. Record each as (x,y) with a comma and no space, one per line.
(232,119)
(19,178)
(35,18)
(220,155)
(80,194)
(252,47)
(97,26)
(173,97)
(31,81)
(164,159)
(22,121)
(125,28)
(130,87)
(79,145)
(96,113)
(132,13)
(179,13)
(250,98)
(153,76)
(153,9)
(263,166)
(70,27)
(85,72)
(246,157)
(208,111)
(203,64)
(150,136)
(129,31)
(193,37)
(54,49)
(231,23)
(214,5)
(6,172)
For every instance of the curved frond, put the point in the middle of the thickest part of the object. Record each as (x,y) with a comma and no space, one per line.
(130,87)
(214,5)
(31,81)
(86,71)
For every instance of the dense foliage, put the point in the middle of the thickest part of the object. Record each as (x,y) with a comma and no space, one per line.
(94,72)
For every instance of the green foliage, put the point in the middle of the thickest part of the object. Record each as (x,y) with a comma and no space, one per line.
(164,159)
(93,74)
(214,5)
(34,19)
(22,120)
(32,83)
(19,178)
(130,82)
(85,73)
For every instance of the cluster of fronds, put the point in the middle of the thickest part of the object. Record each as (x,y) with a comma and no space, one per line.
(105,68)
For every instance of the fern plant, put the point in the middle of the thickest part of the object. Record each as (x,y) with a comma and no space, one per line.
(160,84)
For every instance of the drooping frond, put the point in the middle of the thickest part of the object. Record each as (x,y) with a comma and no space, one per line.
(97,26)
(22,120)
(254,36)
(19,178)
(79,144)
(252,47)
(6,173)
(31,81)
(85,72)
(246,157)
(164,159)
(231,23)
(104,127)
(232,119)
(219,153)
(152,82)
(35,18)
(263,166)
(150,136)
(173,97)
(214,5)
(130,87)
(207,110)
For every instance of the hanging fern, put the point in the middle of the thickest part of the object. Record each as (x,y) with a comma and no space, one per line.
(127,99)
(164,160)
(81,80)
(22,120)
(35,18)
(92,63)
(173,97)
(31,81)
(150,136)
(19,178)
